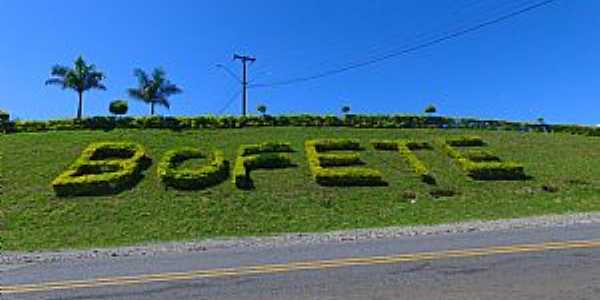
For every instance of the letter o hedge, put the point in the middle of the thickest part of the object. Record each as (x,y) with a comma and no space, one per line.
(191,179)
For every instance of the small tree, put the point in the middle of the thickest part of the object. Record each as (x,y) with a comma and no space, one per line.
(541,120)
(81,78)
(345,109)
(430,109)
(153,88)
(118,107)
(262,109)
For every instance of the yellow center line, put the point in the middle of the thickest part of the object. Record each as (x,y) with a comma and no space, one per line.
(294,266)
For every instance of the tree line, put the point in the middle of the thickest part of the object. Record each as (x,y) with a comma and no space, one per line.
(153,88)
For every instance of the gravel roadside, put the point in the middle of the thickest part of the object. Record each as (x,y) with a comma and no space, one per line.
(292,239)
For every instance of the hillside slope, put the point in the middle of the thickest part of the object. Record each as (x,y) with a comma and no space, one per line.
(564,175)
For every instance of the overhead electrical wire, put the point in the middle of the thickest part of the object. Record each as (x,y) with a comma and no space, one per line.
(229,102)
(376,48)
(434,41)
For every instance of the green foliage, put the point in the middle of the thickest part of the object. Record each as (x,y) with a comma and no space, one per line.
(480,156)
(286,200)
(153,89)
(103,169)
(405,148)
(346,109)
(320,164)
(465,141)
(4,116)
(339,159)
(430,109)
(246,150)
(81,78)
(118,107)
(272,155)
(484,167)
(352,121)
(324,145)
(261,108)
(212,174)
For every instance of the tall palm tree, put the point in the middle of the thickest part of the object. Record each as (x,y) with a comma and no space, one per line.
(81,78)
(153,89)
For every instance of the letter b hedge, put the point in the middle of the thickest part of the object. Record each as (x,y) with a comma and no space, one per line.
(103,169)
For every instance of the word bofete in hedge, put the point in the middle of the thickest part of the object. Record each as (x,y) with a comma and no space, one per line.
(260,156)
(480,164)
(322,164)
(103,169)
(111,167)
(212,174)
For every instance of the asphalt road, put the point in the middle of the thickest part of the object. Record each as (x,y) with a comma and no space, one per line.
(548,263)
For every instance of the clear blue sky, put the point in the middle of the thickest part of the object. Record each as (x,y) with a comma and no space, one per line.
(543,63)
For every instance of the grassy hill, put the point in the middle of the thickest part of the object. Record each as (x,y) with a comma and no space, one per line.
(564,171)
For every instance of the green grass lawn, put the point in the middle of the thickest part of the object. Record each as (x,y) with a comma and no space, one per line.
(287,200)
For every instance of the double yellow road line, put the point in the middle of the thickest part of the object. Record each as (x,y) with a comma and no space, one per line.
(294,266)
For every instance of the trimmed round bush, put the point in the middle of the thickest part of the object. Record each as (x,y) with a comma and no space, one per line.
(430,109)
(261,109)
(118,107)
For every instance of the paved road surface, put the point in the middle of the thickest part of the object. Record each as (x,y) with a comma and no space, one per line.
(550,263)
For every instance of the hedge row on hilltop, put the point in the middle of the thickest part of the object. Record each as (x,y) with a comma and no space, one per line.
(356,121)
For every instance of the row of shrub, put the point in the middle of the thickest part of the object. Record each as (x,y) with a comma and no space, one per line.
(405,148)
(273,155)
(357,121)
(486,166)
(465,141)
(339,169)
(103,169)
(212,174)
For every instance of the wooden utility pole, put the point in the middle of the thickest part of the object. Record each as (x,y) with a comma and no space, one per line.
(245,59)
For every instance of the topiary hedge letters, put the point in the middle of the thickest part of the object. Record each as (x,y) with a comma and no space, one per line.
(345,172)
(480,164)
(111,167)
(261,156)
(212,174)
(406,148)
(103,169)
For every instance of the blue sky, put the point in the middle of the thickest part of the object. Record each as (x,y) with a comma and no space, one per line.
(543,63)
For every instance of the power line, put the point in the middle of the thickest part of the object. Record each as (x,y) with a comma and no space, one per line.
(440,29)
(229,102)
(408,50)
(229,72)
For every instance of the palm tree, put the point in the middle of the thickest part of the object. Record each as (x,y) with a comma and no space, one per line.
(81,78)
(154,89)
